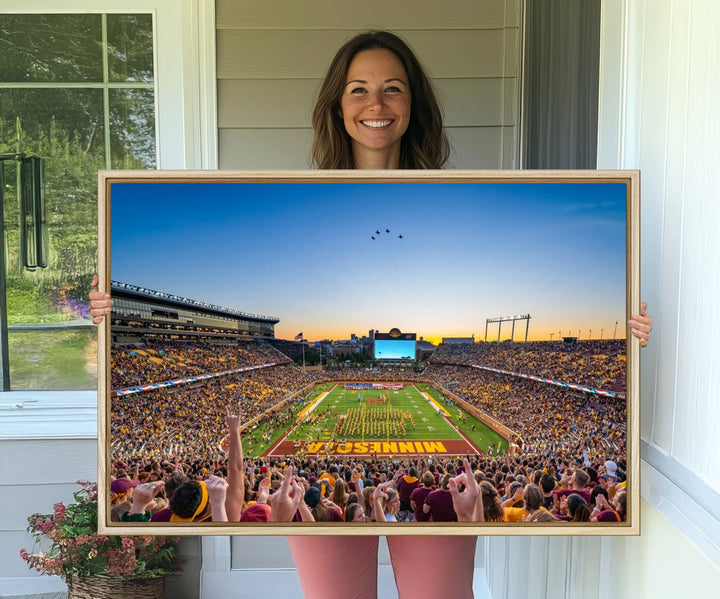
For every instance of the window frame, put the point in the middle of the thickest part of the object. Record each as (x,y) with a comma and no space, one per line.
(181,29)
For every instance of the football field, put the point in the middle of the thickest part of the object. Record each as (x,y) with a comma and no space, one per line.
(414,419)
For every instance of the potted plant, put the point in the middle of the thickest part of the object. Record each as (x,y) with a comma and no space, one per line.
(93,565)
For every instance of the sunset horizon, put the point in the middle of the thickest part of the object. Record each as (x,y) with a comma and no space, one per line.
(334,259)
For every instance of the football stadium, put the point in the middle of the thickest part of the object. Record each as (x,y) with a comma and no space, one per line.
(369,378)
(178,365)
(371,418)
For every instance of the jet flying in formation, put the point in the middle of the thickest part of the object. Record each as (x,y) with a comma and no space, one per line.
(378,233)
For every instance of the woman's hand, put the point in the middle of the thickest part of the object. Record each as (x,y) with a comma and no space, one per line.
(641,325)
(100,303)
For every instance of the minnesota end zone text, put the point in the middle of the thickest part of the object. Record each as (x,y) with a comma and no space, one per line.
(375,448)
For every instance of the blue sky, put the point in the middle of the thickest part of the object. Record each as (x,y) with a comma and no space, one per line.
(303,252)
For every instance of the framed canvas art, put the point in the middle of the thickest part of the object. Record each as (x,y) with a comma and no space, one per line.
(369,352)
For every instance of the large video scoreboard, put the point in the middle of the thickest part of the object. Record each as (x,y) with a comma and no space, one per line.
(395,346)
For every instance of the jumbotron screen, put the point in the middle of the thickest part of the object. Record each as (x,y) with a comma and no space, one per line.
(395,345)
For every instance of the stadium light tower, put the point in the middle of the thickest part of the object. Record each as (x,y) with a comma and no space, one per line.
(501,319)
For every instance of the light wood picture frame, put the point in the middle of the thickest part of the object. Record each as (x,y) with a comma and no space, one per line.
(199,260)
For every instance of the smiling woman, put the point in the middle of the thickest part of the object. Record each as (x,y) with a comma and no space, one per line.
(364,109)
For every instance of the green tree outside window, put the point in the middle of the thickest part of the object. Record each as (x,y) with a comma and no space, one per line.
(78,91)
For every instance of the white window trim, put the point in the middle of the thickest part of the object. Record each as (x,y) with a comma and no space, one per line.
(186,129)
(35,415)
(678,493)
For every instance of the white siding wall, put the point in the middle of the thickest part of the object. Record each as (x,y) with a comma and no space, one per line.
(659,88)
(35,475)
(271,57)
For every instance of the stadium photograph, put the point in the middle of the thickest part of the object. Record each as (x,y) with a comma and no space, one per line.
(352,353)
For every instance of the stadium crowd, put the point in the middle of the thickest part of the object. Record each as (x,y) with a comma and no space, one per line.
(172,436)
(599,364)
(545,417)
(181,423)
(154,362)
(531,488)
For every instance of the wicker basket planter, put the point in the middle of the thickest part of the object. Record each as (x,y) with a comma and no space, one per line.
(67,544)
(116,587)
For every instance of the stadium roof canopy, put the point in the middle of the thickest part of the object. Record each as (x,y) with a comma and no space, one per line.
(142,293)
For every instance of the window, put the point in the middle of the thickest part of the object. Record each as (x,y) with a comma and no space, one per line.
(77,90)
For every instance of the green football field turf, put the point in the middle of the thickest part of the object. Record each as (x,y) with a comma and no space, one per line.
(428,424)
(406,410)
